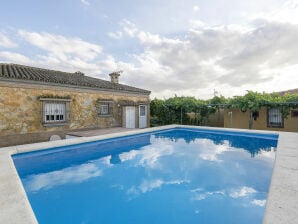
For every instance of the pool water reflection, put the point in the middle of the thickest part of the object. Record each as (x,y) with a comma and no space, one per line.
(174,176)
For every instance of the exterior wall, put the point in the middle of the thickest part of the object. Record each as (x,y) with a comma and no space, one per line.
(241,120)
(217,119)
(214,120)
(20,109)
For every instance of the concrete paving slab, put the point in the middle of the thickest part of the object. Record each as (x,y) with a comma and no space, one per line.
(97,132)
(282,201)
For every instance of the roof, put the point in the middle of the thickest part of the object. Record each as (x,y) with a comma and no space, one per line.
(290,91)
(14,72)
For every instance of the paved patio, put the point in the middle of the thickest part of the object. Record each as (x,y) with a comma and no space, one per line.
(98,132)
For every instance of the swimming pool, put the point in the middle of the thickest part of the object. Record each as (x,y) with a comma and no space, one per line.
(178,175)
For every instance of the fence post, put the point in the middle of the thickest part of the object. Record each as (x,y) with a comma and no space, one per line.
(181,116)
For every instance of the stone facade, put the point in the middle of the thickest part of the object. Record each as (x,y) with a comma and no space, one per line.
(21,109)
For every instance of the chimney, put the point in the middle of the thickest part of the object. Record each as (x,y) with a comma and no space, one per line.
(115,77)
(79,73)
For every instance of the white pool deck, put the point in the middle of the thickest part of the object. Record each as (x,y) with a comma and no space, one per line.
(282,202)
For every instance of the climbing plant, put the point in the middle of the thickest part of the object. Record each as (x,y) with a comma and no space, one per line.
(254,101)
(178,109)
(185,110)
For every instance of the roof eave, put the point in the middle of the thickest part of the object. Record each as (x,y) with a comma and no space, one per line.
(31,82)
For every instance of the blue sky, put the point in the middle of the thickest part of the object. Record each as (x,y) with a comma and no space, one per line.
(169,47)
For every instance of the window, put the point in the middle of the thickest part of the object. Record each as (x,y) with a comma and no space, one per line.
(54,111)
(142,110)
(294,113)
(105,108)
(275,119)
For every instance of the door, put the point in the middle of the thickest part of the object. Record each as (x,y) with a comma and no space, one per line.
(142,116)
(130,117)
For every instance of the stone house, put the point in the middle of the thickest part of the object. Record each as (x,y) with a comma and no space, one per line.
(36,103)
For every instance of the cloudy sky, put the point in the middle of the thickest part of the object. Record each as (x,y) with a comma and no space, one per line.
(189,47)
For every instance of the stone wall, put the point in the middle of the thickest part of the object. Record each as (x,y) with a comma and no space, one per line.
(20,108)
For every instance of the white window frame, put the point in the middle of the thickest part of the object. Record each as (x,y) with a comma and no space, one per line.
(142,112)
(105,108)
(55,111)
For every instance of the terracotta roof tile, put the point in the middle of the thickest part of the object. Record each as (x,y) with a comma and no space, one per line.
(34,75)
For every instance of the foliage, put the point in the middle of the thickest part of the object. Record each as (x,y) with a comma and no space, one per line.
(218,100)
(178,109)
(253,101)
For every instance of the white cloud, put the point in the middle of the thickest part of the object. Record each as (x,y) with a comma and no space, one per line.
(59,53)
(76,174)
(150,185)
(6,42)
(287,13)
(201,194)
(267,155)
(196,23)
(12,57)
(196,8)
(85,2)
(260,203)
(149,156)
(242,192)
(241,57)
(129,28)
(62,47)
(146,38)
(210,151)
(115,35)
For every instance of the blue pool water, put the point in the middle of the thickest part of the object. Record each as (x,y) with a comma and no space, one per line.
(172,176)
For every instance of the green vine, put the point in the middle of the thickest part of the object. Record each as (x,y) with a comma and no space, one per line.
(177,109)
(254,101)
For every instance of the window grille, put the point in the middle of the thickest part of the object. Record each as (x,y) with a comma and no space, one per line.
(105,108)
(55,111)
(294,113)
(275,118)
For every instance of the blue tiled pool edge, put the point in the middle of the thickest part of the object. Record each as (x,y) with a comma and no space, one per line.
(203,130)
(16,208)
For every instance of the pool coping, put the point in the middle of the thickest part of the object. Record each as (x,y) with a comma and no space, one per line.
(282,201)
